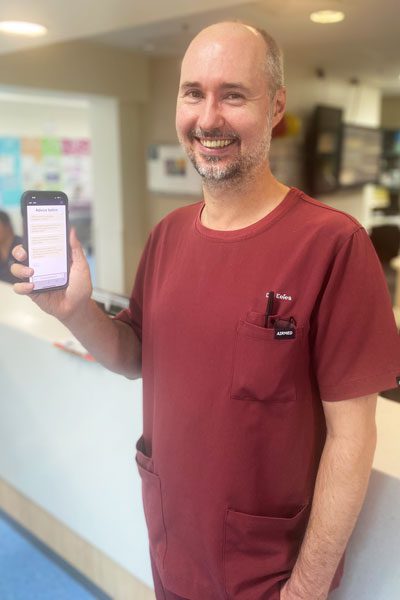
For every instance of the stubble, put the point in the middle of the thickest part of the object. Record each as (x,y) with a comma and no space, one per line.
(239,170)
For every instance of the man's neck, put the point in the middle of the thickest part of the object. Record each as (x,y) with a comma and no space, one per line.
(237,204)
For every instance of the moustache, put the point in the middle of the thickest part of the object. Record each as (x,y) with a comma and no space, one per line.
(213,134)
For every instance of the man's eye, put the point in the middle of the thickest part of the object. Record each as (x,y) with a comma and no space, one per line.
(193,94)
(234,96)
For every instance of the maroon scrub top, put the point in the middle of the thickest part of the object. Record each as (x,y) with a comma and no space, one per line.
(233,420)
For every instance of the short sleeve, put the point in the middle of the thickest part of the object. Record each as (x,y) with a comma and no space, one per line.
(133,315)
(354,338)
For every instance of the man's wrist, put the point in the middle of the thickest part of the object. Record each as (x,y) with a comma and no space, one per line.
(79,316)
(295,590)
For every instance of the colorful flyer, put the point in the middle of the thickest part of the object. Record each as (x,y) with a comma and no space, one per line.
(10,171)
(32,165)
(76,171)
(51,153)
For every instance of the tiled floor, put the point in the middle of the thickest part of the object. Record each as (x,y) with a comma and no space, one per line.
(30,571)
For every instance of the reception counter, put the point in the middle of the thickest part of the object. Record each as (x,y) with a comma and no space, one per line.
(68,429)
(67,439)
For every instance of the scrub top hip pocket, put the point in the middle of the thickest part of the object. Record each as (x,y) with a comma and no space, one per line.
(260,552)
(264,366)
(152,504)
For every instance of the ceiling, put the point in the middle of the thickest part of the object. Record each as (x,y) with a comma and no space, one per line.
(364,46)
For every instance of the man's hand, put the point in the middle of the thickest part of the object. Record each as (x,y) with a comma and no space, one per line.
(289,594)
(59,303)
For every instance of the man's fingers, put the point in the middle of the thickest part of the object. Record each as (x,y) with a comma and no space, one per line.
(19,253)
(21,271)
(23,288)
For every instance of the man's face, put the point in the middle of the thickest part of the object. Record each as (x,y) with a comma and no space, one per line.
(224,112)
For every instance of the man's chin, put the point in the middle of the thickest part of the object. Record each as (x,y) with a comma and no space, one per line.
(214,171)
(214,176)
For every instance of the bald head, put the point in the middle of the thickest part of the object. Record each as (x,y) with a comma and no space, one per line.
(257,43)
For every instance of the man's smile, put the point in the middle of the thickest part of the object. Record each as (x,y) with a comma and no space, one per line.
(215,143)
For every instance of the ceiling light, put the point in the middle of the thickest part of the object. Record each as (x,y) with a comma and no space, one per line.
(327,16)
(22,28)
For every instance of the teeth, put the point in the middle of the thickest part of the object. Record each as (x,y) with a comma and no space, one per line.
(215,143)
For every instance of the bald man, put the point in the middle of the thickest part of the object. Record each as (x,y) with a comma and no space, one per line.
(262,345)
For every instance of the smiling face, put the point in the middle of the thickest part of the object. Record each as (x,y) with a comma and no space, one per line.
(224,114)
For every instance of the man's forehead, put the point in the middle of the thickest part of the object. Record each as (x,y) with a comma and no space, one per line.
(226,37)
(228,60)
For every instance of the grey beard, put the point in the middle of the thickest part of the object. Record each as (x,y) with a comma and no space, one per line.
(213,172)
(240,169)
(237,171)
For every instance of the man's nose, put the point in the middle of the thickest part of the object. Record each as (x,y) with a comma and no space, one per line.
(210,116)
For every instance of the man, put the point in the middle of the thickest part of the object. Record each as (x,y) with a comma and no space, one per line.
(262,327)
(8,240)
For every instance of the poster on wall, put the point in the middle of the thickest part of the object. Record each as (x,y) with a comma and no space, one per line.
(169,171)
(51,158)
(45,164)
(10,171)
(31,161)
(76,171)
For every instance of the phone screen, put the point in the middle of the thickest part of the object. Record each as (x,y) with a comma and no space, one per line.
(46,231)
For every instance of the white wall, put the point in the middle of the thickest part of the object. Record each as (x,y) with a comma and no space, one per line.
(24,114)
(107,213)
(361,103)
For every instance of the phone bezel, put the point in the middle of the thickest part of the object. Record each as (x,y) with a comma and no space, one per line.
(45,198)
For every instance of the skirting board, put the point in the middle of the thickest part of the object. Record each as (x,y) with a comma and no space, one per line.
(116,581)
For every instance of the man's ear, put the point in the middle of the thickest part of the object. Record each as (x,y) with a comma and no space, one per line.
(279,106)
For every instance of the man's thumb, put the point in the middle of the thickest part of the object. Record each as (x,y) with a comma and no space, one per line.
(76,247)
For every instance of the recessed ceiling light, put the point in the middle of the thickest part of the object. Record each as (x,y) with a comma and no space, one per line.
(327,16)
(22,28)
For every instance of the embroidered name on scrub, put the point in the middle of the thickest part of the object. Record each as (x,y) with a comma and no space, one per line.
(279,296)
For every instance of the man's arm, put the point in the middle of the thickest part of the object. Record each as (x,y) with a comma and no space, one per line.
(339,493)
(111,342)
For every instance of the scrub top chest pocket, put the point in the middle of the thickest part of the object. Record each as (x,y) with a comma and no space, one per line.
(265,364)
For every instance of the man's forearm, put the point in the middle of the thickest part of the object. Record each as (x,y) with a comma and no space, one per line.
(339,493)
(111,342)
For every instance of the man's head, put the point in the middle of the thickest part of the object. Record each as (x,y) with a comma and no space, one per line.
(230,97)
(5,226)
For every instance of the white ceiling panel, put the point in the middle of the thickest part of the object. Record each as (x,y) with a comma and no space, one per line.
(72,19)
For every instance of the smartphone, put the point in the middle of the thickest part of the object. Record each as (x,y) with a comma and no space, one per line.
(46,238)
